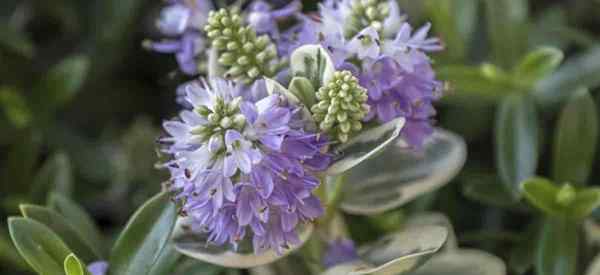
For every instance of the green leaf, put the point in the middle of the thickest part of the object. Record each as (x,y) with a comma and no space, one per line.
(507,29)
(521,259)
(63,228)
(489,190)
(273,87)
(537,65)
(15,107)
(463,262)
(516,141)
(584,203)
(485,81)
(8,255)
(40,247)
(15,41)
(454,22)
(78,218)
(579,71)
(55,175)
(167,261)
(314,63)
(543,194)
(61,83)
(73,266)
(18,164)
(557,248)
(304,90)
(575,139)
(139,245)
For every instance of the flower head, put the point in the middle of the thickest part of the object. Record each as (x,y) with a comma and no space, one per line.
(241,167)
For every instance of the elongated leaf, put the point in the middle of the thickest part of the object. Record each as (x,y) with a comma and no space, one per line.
(56,175)
(398,175)
(557,248)
(579,71)
(64,229)
(543,194)
(516,141)
(585,202)
(575,139)
(166,262)
(488,189)
(15,107)
(537,65)
(38,245)
(145,235)
(78,218)
(312,62)
(365,145)
(507,29)
(195,245)
(8,255)
(73,265)
(454,23)
(477,81)
(463,262)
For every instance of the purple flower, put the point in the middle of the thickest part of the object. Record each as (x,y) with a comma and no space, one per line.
(263,17)
(243,165)
(98,268)
(182,21)
(340,251)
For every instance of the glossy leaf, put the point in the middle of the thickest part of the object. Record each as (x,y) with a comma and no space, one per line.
(64,229)
(195,245)
(15,107)
(575,139)
(537,65)
(56,175)
(38,245)
(557,248)
(398,175)
(366,144)
(78,218)
(73,265)
(312,62)
(579,71)
(507,29)
(463,262)
(516,141)
(145,235)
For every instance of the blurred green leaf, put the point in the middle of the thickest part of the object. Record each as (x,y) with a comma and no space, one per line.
(55,175)
(489,190)
(8,255)
(557,248)
(543,194)
(139,246)
(584,203)
(18,164)
(454,23)
(167,261)
(578,71)
(516,141)
(575,139)
(15,41)
(507,29)
(537,65)
(15,107)
(40,247)
(78,218)
(73,266)
(65,229)
(521,259)
(485,81)
(61,83)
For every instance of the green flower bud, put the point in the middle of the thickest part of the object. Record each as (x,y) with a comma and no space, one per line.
(245,56)
(341,106)
(366,13)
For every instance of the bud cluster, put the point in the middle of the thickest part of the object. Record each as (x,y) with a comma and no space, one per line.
(245,56)
(341,106)
(224,116)
(366,13)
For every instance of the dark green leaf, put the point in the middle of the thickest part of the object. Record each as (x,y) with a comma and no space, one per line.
(73,266)
(140,244)
(78,218)
(64,229)
(575,139)
(521,259)
(489,190)
(8,255)
(543,194)
(578,71)
(15,108)
(55,175)
(516,141)
(15,41)
(18,164)
(557,248)
(507,29)
(537,65)
(40,247)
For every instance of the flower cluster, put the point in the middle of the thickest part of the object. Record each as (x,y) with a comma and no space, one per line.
(238,164)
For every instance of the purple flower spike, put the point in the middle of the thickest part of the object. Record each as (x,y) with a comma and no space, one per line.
(243,165)
(339,252)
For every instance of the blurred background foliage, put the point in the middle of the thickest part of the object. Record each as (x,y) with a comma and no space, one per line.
(81,104)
